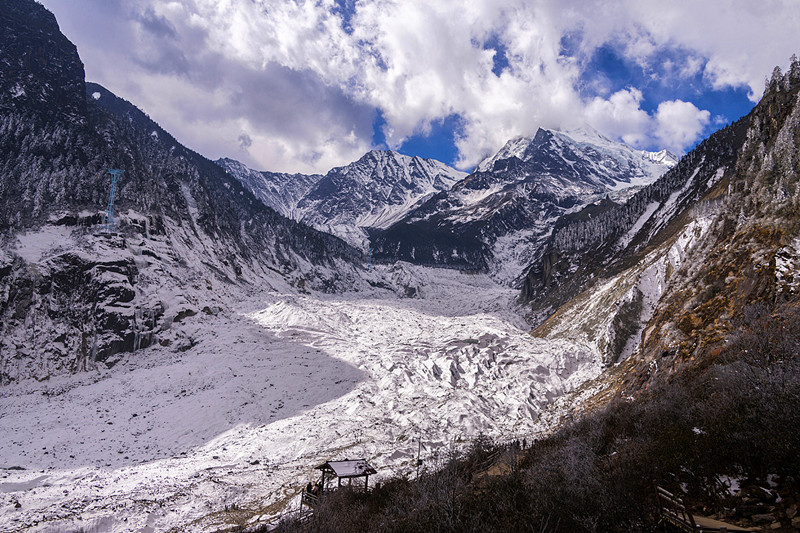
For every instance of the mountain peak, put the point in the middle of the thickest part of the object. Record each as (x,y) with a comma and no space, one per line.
(567,148)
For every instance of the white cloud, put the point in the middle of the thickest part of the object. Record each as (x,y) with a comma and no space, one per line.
(304,90)
(691,66)
(675,125)
(679,124)
(740,39)
(621,116)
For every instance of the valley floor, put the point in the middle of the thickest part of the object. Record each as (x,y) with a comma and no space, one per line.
(168,439)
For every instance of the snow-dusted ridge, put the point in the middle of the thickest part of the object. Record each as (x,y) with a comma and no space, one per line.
(373,192)
(644,166)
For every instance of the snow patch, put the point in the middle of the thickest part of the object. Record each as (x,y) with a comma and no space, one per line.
(38,245)
(787,268)
(648,212)
(715,178)
(732,485)
(514,148)
(17,91)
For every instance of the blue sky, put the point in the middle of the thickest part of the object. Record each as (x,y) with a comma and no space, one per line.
(606,72)
(306,85)
(615,72)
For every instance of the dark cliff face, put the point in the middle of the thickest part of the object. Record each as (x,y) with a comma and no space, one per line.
(40,70)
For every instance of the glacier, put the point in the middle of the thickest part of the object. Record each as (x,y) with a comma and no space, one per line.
(284,381)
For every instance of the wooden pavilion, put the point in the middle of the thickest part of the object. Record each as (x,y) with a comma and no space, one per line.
(348,469)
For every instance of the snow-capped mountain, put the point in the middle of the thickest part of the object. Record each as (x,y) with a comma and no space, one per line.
(582,157)
(280,191)
(75,296)
(376,190)
(497,218)
(373,192)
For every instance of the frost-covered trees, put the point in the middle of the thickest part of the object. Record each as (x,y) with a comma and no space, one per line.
(683,184)
(780,81)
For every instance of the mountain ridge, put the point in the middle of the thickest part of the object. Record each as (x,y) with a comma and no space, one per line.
(497,218)
(371,192)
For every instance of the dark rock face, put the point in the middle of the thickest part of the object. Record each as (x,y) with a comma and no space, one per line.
(40,70)
(70,312)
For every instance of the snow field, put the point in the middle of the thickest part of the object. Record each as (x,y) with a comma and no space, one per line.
(165,440)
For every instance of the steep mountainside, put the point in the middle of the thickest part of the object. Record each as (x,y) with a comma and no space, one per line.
(605,237)
(498,218)
(373,192)
(41,72)
(747,265)
(672,274)
(183,225)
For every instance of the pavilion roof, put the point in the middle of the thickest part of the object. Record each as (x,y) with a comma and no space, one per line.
(348,468)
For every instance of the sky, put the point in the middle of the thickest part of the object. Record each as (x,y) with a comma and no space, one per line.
(307,85)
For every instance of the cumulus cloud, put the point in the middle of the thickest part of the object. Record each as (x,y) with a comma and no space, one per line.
(679,124)
(675,125)
(306,78)
(621,116)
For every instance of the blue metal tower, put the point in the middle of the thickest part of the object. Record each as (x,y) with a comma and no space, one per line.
(115,174)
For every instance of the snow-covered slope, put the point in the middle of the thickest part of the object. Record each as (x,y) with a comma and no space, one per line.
(261,396)
(280,191)
(373,192)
